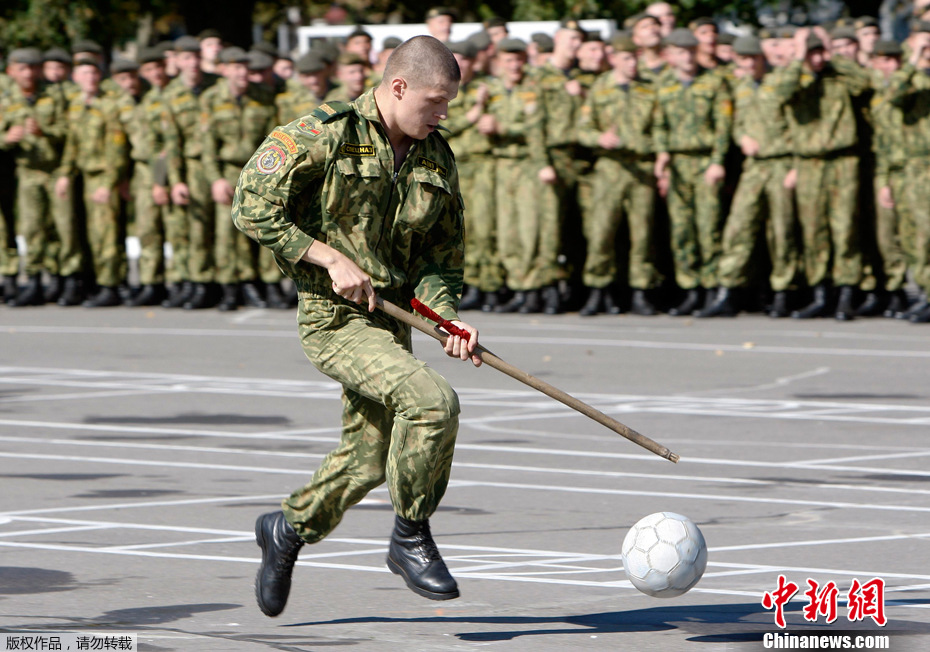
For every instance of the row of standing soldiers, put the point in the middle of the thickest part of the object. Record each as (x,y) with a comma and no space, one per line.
(794,177)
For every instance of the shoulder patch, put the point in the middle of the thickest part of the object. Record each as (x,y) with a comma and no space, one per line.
(287,140)
(330,110)
(271,160)
(310,130)
(360,151)
(433,166)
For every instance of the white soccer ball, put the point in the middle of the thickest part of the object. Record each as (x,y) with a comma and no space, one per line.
(664,554)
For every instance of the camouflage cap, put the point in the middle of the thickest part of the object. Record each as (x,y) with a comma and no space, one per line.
(234,55)
(495,21)
(623,43)
(481,40)
(435,12)
(766,33)
(56,54)
(726,38)
(123,65)
(266,47)
(27,56)
(747,46)
(570,23)
(865,21)
(886,48)
(700,22)
(814,43)
(86,61)
(465,48)
(86,45)
(150,55)
(635,19)
(844,32)
(209,33)
(919,26)
(259,60)
(593,35)
(681,37)
(186,44)
(511,45)
(310,63)
(544,42)
(164,47)
(328,50)
(391,42)
(787,31)
(351,59)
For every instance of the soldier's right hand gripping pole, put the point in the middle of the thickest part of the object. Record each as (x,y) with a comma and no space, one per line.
(527,379)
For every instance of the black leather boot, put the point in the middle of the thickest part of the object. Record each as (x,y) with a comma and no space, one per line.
(921,317)
(30,294)
(230,300)
(779,307)
(552,300)
(471,300)
(844,304)
(9,287)
(53,291)
(490,302)
(71,295)
(106,297)
(640,304)
(721,306)
(252,297)
(688,306)
(897,305)
(516,302)
(919,306)
(532,303)
(873,305)
(817,308)
(611,303)
(593,304)
(414,556)
(280,546)
(151,295)
(275,298)
(199,298)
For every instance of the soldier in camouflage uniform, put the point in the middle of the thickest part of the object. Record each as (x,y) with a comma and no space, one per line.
(819,95)
(32,122)
(306,91)
(236,116)
(483,273)
(189,190)
(9,255)
(616,122)
(96,148)
(760,129)
(646,32)
(694,117)
(351,73)
(357,201)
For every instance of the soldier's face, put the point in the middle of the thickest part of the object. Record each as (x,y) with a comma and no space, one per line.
(440,27)
(353,77)
(846,47)
(360,45)
(54,71)
(188,62)
(154,73)
(315,82)
(750,66)
(772,51)
(624,63)
(128,82)
(466,65)
(284,68)
(237,74)
(25,75)
(682,59)
(511,65)
(497,33)
(421,109)
(567,42)
(886,65)
(647,34)
(816,60)
(210,48)
(591,56)
(88,79)
(868,37)
(706,36)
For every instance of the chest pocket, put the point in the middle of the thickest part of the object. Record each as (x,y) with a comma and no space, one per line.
(356,189)
(227,122)
(427,195)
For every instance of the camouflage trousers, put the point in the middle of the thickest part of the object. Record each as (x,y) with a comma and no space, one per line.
(201,218)
(527,240)
(234,253)
(827,193)
(895,232)
(108,252)
(46,222)
(622,188)
(760,199)
(695,216)
(177,234)
(482,262)
(9,255)
(399,418)
(268,269)
(150,226)
(917,176)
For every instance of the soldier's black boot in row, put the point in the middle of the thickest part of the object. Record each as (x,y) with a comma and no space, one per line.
(106,297)
(151,295)
(280,546)
(817,308)
(471,300)
(178,295)
(723,305)
(275,298)
(30,294)
(551,300)
(921,317)
(516,302)
(252,297)
(53,289)
(640,304)
(230,300)
(779,307)
(532,304)
(593,304)
(71,294)
(490,302)
(844,304)
(9,287)
(688,306)
(918,307)
(414,556)
(873,305)
(897,305)
(199,297)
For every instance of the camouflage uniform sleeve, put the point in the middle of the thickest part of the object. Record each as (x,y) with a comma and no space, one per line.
(723,122)
(266,202)
(780,87)
(211,148)
(66,167)
(856,78)
(173,158)
(116,148)
(900,85)
(659,128)
(587,129)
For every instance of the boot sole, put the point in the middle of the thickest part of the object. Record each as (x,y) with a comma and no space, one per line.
(426,594)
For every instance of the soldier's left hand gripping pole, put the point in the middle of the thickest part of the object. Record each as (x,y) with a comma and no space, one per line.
(518,374)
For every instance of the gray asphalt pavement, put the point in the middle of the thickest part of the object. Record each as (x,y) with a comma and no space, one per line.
(138,446)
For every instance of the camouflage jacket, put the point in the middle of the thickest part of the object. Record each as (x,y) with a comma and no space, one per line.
(463,136)
(330,177)
(233,128)
(519,119)
(559,107)
(143,121)
(695,117)
(648,74)
(628,110)
(96,142)
(909,91)
(760,118)
(48,107)
(182,125)
(820,108)
(889,143)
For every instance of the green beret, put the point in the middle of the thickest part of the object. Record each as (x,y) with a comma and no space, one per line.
(481,40)
(441,11)
(747,46)
(28,56)
(465,48)
(593,35)
(570,23)
(123,65)
(56,54)
(623,43)
(635,19)
(865,21)
(844,32)
(391,42)
(310,63)
(544,42)
(86,61)
(259,60)
(86,45)
(766,33)
(150,55)
(681,37)
(511,45)
(328,50)
(187,44)
(209,33)
(814,43)
(234,55)
(351,59)
(726,39)
(700,22)
(888,49)
(266,47)
(788,31)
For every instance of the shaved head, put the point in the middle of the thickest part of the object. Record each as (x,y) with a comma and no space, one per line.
(422,61)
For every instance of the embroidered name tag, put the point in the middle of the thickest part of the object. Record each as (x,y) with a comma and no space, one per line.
(433,166)
(350,149)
